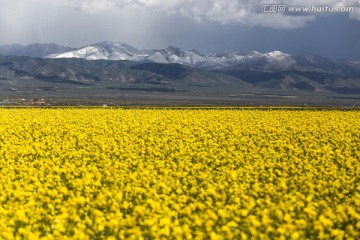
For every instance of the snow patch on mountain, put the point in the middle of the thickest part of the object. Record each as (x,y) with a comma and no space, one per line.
(123,51)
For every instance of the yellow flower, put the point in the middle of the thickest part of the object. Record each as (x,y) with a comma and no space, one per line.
(226,173)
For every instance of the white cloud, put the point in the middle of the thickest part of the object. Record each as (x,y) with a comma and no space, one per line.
(230,11)
(246,12)
(98,6)
(356,4)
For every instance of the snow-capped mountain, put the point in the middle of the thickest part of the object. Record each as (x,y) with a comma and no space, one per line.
(193,58)
(105,50)
(271,61)
(177,55)
(254,58)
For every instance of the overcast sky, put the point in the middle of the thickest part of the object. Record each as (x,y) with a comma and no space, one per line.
(205,25)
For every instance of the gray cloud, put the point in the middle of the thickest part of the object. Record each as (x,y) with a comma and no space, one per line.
(28,21)
(246,12)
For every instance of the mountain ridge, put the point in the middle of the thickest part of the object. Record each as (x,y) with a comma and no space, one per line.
(33,50)
(271,61)
(253,60)
(150,82)
(122,51)
(119,71)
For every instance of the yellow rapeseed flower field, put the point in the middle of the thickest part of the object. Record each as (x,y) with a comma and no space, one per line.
(179,174)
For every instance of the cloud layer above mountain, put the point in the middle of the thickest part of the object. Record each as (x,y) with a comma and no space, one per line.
(247,12)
